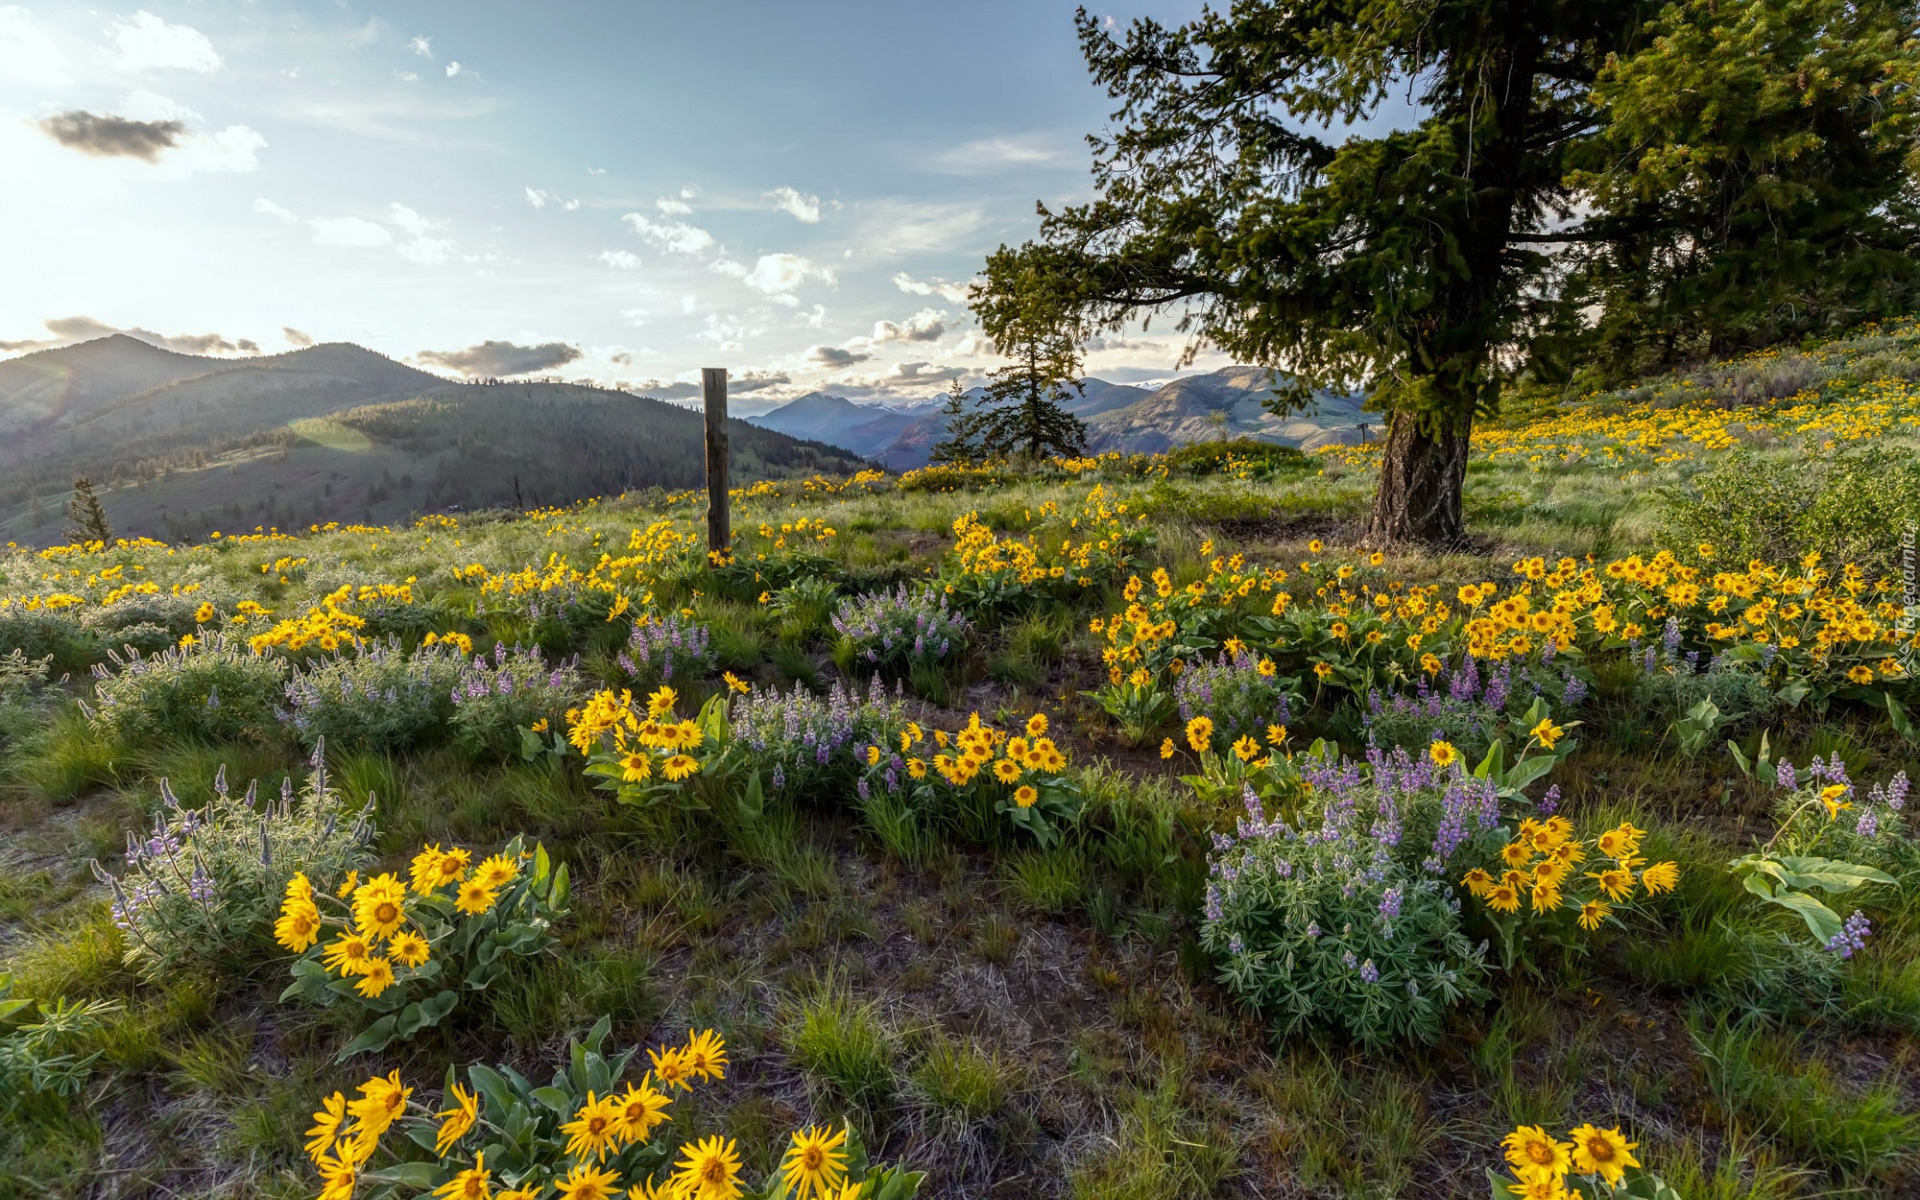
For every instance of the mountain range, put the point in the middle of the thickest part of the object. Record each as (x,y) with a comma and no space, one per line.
(183,444)
(1223,404)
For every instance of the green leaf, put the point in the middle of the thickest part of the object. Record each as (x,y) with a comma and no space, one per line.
(416,1175)
(554,1099)
(1897,717)
(373,1037)
(1821,920)
(1831,875)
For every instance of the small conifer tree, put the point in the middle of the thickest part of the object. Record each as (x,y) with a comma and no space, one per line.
(89,520)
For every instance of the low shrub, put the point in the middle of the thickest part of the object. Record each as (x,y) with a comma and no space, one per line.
(1344,917)
(661,647)
(375,697)
(498,700)
(1242,696)
(204,884)
(1243,458)
(216,688)
(901,629)
(1469,707)
(1846,507)
(39,629)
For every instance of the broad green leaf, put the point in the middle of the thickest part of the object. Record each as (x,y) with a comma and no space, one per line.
(373,1037)
(1820,919)
(1831,875)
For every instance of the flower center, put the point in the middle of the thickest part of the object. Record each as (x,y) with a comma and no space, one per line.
(1539,1152)
(1600,1150)
(810,1158)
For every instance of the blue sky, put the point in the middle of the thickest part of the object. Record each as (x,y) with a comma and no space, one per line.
(610,191)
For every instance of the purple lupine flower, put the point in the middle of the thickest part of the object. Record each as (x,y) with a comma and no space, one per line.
(1369,973)
(1852,937)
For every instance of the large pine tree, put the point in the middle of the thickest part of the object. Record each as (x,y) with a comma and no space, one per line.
(1255,188)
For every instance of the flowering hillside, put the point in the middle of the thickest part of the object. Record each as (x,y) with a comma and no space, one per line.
(1109,827)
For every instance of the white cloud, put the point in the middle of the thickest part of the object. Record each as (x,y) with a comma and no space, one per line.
(412,221)
(689,302)
(927,325)
(1000,153)
(726,333)
(147,43)
(349,231)
(143,105)
(27,55)
(537,197)
(974,344)
(896,226)
(264,205)
(235,148)
(367,34)
(670,207)
(596,170)
(623,260)
(671,235)
(728,267)
(454,68)
(954,293)
(421,45)
(428,252)
(635,317)
(805,209)
(571,206)
(816,319)
(406,76)
(779,274)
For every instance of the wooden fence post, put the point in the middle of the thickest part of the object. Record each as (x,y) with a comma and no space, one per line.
(713,389)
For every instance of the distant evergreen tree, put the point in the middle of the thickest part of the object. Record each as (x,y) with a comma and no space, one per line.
(88,518)
(1022,410)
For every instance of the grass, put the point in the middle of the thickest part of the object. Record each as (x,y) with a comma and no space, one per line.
(1806,1105)
(842,1045)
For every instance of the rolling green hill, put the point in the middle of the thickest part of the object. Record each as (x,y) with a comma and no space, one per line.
(183,445)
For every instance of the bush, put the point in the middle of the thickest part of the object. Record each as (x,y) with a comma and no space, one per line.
(1465,709)
(1672,682)
(1240,694)
(21,678)
(376,697)
(1347,920)
(1848,507)
(205,884)
(1243,458)
(900,629)
(660,648)
(45,632)
(495,702)
(812,745)
(217,689)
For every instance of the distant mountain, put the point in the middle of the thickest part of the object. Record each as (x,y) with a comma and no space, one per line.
(52,387)
(1228,403)
(865,429)
(185,443)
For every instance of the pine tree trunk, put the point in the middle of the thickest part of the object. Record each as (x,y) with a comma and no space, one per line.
(1421,477)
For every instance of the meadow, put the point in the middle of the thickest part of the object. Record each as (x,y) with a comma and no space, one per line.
(1112,828)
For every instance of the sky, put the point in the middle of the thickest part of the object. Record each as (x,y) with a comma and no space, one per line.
(620,192)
